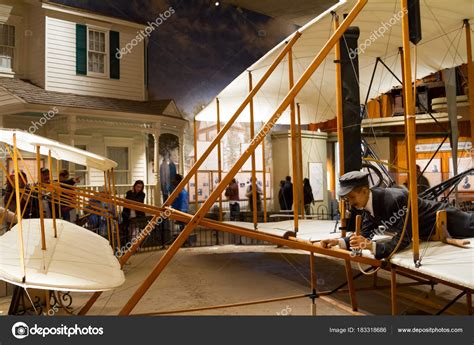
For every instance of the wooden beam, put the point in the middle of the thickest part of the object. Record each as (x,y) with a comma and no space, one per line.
(350,279)
(222,306)
(339,125)
(393,284)
(300,160)
(114,196)
(400,51)
(358,224)
(110,236)
(18,208)
(314,283)
(40,199)
(112,226)
(294,156)
(219,158)
(342,211)
(253,179)
(53,208)
(264,168)
(351,285)
(411,133)
(58,163)
(470,76)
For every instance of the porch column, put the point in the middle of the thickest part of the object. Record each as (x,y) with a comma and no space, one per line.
(3,157)
(156,167)
(71,130)
(182,134)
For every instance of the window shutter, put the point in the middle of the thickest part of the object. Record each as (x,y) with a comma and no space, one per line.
(114,38)
(81,49)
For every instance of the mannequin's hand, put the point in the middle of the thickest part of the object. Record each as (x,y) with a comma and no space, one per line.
(332,242)
(360,242)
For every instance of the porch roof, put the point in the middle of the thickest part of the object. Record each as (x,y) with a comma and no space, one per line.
(33,94)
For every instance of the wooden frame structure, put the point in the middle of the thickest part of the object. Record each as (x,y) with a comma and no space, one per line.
(60,193)
(291,241)
(78,198)
(57,194)
(198,218)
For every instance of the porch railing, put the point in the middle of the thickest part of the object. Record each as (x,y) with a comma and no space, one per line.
(169,230)
(121,190)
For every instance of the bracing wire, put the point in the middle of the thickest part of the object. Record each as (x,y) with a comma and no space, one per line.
(324,64)
(441,28)
(386,47)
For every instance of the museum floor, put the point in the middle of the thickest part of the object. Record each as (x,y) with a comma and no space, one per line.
(199,277)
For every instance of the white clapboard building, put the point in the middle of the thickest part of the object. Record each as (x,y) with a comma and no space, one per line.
(61,77)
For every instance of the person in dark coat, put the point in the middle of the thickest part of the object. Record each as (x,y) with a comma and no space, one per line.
(288,193)
(167,174)
(232,194)
(249,195)
(281,196)
(307,196)
(65,180)
(43,197)
(10,192)
(423,183)
(387,208)
(135,194)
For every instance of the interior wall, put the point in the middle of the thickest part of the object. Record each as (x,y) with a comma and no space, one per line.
(280,163)
(443,157)
(314,145)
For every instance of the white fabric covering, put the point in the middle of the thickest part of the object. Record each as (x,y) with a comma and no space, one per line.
(442,261)
(311,230)
(442,46)
(77,260)
(27,142)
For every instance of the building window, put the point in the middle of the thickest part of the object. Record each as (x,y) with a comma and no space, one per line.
(81,170)
(96,52)
(7,46)
(120,155)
